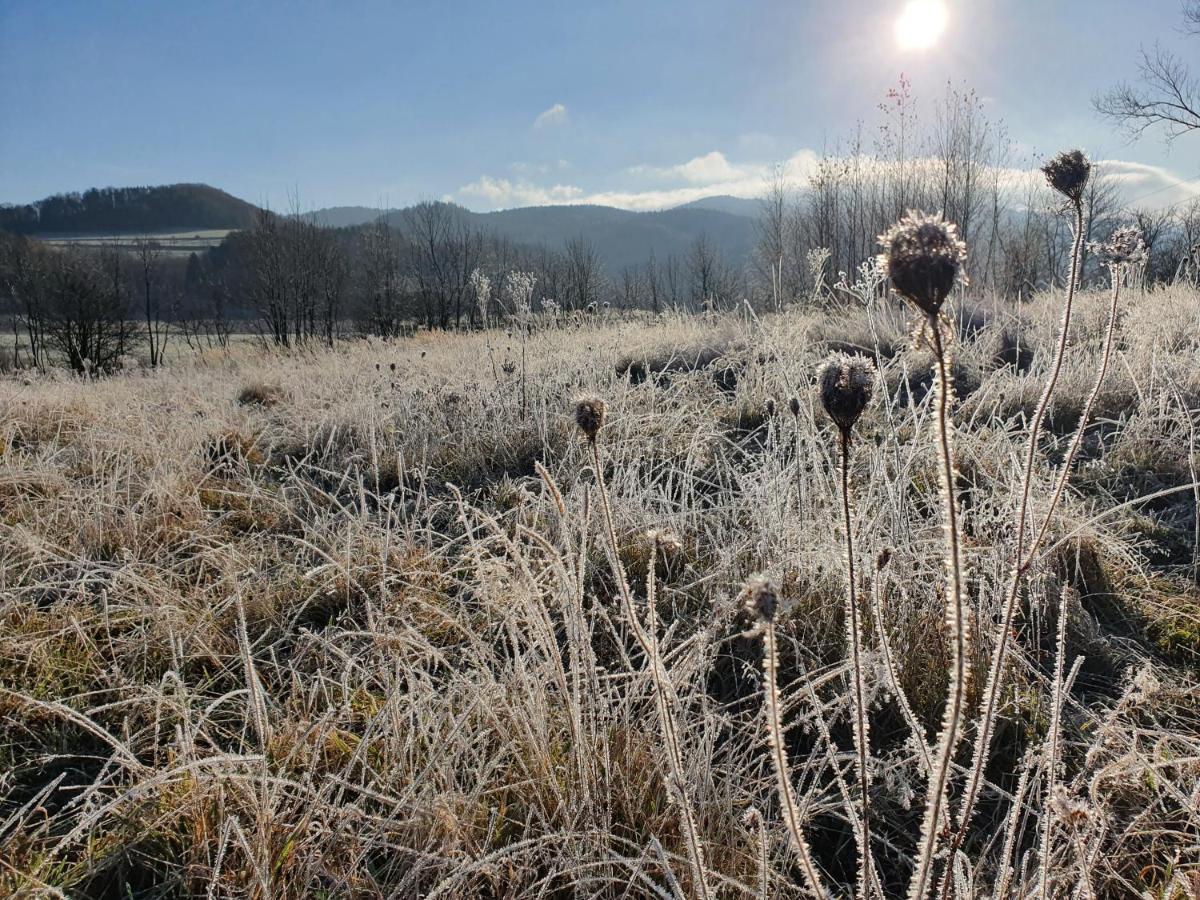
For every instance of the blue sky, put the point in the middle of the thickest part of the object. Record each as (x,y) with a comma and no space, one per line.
(640,104)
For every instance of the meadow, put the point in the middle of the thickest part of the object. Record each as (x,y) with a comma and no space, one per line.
(171,243)
(364,621)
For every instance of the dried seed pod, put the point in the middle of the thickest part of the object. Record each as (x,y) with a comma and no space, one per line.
(760,598)
(665,540)
(847,383)
(922,255)
(589,416)
(1068,174)
(1124,247)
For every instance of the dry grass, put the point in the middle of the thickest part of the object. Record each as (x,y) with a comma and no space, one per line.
(341,639)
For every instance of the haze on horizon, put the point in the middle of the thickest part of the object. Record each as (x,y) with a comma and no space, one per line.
(386,104)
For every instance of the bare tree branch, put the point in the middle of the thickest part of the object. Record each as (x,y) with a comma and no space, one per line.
(1167,95)
(1191,16)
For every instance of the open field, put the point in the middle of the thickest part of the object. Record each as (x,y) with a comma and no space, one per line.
(179,243)
(314,625)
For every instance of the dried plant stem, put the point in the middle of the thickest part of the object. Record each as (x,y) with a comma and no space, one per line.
(1085,416)
(956,625)
(1052,741)
(1015,815)
(664,692)
(787,795)
(889,664)
(1020,563)
(854,645)
(1081,861)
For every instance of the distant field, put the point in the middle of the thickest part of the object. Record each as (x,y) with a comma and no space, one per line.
(181,242)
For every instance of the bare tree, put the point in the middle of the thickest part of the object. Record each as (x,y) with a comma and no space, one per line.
(707,271)
(24,277)
(1166,96)
(86,318)
(379,281)
(151,285)
(633,287)
(1101,204)
(772,245)
(584,274)
(1156,225)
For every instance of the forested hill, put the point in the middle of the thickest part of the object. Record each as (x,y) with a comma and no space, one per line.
(130,210)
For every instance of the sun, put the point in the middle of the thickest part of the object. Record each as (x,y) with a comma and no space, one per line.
(921,24)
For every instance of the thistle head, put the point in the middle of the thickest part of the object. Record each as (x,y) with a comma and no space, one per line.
(589,416)
(760,599)
(922,255)
(1124,247)
(846,386)
(1068,174)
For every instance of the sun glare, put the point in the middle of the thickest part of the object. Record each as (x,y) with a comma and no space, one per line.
(921,24)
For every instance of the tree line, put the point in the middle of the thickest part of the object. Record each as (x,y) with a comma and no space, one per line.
(293,282)
(129,209)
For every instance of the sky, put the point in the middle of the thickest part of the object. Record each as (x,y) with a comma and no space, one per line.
(636,103)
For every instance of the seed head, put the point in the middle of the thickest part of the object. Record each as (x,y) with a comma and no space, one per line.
(922,256)
(794,406)
(771,407)
(589,416)
(760,598)
(1071,811)
(846,386)
(1068,174)
(665,540)
(1124,247)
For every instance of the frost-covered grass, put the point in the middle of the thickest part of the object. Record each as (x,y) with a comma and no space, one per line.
(312,625)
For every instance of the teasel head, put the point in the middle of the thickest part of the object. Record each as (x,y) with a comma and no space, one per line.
(923,256)
(1068,174)
(589,416)
(794,406)
(760,599)
(847,383)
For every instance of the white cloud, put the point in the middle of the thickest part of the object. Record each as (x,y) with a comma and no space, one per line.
(501,193)
(711,168)
(555,115)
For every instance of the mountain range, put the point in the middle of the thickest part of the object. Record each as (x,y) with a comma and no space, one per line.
(619,236)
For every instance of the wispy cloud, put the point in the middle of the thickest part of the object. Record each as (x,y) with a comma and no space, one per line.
(650,187)
(555,115)
(1146,185)
(544,168)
